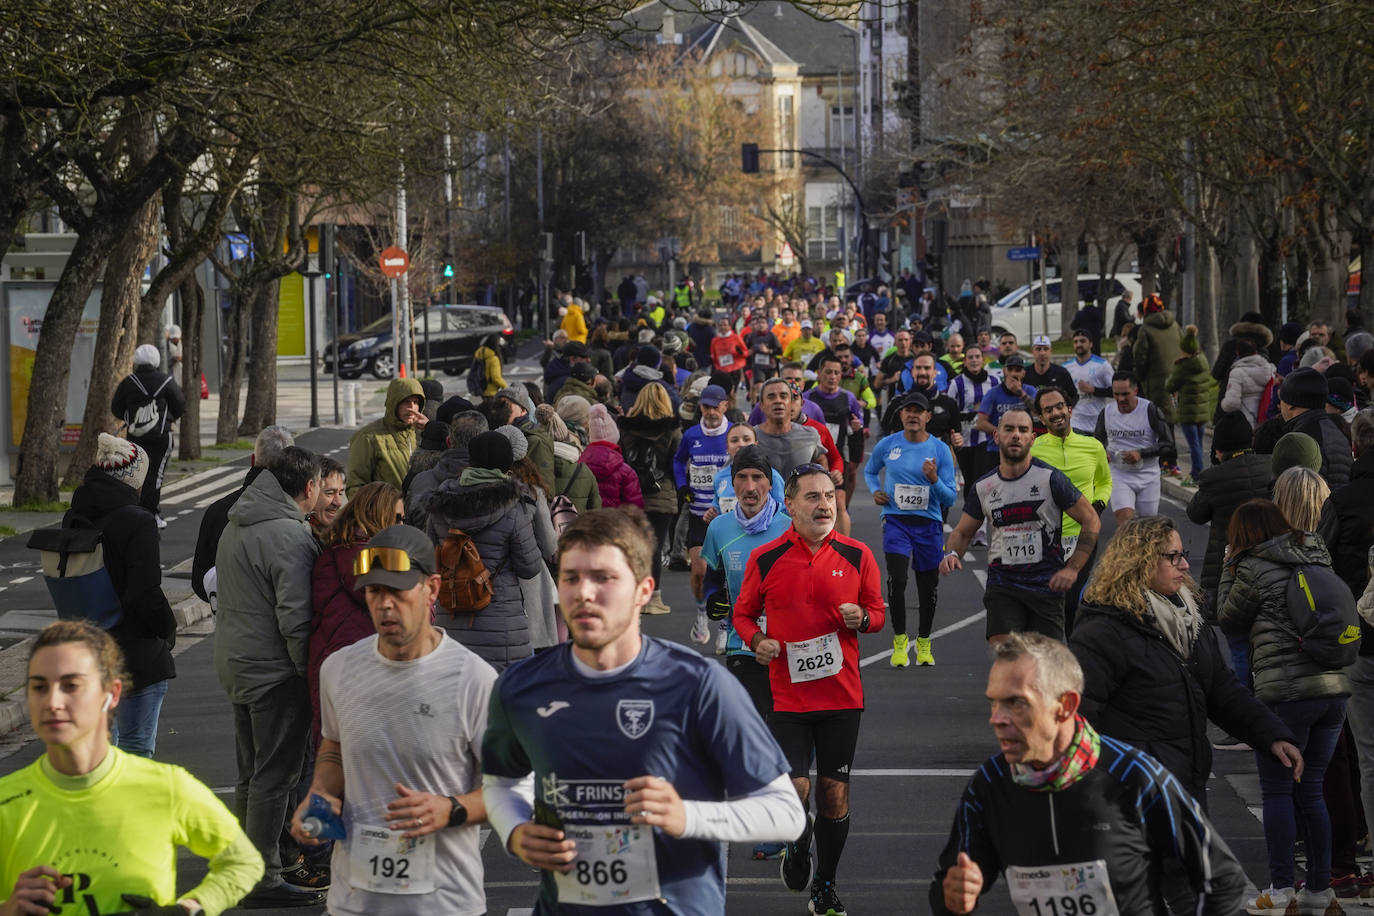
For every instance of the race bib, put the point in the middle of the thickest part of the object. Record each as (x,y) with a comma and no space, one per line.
(1069,542)
(727,360)
(762,359)
(382,861)
(1020,548)
(911,496)
(700,476)
(615,864)
(813,659)
(834,431)
(727,504)
(1075,889)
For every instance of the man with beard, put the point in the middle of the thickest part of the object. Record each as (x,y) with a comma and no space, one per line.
(890,369)
(1092,381)
(943,422)
(1025,500)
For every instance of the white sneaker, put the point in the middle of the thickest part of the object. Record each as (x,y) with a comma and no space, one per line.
(980,539)
(161,522)
(1318,903)
(701,633)
(721,636)
(1272,902)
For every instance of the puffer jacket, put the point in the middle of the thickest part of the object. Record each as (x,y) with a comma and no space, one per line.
(381,449)
(1196,391)
(339,615)
(423,484)
(1347,527)
(1139,690)
(635,378)
(617,481)
(1220,489)
(1337,456)
(574,479)
(1226,355)
(664,436)
(129,541)
(1158,345)
(1253,601)
(500,519)
(264,562)
(1245,385)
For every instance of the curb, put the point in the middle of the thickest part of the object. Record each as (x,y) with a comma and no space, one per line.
(14,712)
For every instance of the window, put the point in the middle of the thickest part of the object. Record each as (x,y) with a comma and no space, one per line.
(729,224)
(842,126)
(787,132)
(823,232)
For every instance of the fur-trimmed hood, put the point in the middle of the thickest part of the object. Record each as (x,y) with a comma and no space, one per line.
(646,427)
(473,508)
(1261,335)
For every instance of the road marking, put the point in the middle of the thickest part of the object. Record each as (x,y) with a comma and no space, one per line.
(982,578)
(21,580)
(961,774)
(185,512)
(218,486)
(198,480)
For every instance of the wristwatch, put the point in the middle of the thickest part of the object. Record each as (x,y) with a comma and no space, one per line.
(863,624)
(457,815)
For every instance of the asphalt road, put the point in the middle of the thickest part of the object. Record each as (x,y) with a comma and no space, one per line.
(924,732)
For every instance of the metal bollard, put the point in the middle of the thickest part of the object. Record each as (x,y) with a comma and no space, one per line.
(350,404)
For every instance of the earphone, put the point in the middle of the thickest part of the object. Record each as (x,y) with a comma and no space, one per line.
(109,698)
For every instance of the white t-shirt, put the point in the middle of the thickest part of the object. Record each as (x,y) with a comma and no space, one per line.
(1128,432)
(419,723)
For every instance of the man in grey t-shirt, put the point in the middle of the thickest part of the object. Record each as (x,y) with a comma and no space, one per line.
(787,443)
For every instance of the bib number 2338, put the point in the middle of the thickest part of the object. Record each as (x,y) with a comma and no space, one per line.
(615,864)
(1074,889)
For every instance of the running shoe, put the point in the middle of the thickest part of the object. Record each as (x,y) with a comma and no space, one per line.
(768,850)
(923,653)
(899,656)
(1273,902)
(722,634)
(824,900)
(306,877)
(701,633)
(795,867)
(161,522)
(1318,903)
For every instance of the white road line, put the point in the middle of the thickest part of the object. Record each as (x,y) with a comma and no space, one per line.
(219,486)
(961,774)
(982,578)
(185,512)
(200,479)
(21,580)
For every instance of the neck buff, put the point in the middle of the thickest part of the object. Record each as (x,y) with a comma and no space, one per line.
(760,522)
(1081,756)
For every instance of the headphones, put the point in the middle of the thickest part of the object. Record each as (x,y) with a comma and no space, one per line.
(109,698)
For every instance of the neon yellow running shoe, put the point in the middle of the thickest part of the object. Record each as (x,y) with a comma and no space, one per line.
(899,657)
(923,655)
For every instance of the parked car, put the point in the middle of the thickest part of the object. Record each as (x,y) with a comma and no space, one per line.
(455,332)
(1019,310)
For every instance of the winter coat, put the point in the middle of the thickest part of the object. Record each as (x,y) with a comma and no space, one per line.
(617,481)
(129,541)
(664,435)
(448,467)
(575,323)
(1245,385)
(211,529)
(1337,456)
(601,359)
(381,449)
(1347,528)
(499,517)
(1194,389)
(574,479)
(1139,690)
(1226,355)
(1220,489)
(339,615)
(575,387)
(1158,345)
(491,365)
(556,374)
(635,378)
(264,563)
(1253,602)
(128,398)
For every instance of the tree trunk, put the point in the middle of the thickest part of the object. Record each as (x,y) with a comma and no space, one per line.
(1147,255)
(1205,296)
(260,407)
(1068,286)
(192,315)
(1330,247)
(117,335)
(52,367)
(227,424)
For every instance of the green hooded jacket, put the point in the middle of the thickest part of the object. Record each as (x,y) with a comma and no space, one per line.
(381,449)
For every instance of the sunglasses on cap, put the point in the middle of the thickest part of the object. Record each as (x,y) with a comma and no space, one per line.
(392,559)
(810,468)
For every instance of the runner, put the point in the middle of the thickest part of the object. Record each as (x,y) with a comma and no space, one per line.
(918,487)
(893,363)
(739,436)
(1079,822)
(804,347)
(633,741)
(967,391)
(1092,379)
(1136,436)
(729,355)
(815,590)
(843,419)
(764,351)
(1025,501)
(700,455)
(786,442)
(1043,372)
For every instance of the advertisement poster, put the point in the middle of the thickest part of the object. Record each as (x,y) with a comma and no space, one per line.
(26,304)
(291,316)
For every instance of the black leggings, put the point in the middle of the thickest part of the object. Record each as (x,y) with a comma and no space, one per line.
(662,523)
(927,588)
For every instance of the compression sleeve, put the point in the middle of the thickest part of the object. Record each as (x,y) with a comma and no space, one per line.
(769,814)
(510,803)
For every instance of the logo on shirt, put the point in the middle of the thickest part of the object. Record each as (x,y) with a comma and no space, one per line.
(1035,490)
(423,710)
(634,717)
(837,573)
(546,711)
(894,455)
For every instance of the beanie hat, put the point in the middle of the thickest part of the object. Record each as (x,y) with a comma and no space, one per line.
(1304,387)
(1290,333)
(121,459)
(434,437)
(1295,450)
(1153,303)
(1232,433)
(1340,393)
(550,420)
(600,425)
(751,456)
(147,355)
(519,445)
(490,450)
(452,408)
(1189,344)
(647,355)
(573,409)
(583,372)
(433,389)
(517,394)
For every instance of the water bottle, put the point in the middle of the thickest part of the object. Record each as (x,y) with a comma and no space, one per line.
(320,821)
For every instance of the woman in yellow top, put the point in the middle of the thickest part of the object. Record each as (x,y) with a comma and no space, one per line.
(88,828)
(490,358)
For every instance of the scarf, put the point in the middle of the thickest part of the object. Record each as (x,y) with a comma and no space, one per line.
(475,477)
(760,522)
(1179,623)
(1084,749)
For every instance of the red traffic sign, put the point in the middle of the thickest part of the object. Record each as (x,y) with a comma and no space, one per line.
(394,261)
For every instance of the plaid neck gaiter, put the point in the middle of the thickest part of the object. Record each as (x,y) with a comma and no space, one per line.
(1081,756)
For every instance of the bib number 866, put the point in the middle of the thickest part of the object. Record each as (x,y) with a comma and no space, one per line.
(388,867)
(812,662)
(599,873)
(1082,905)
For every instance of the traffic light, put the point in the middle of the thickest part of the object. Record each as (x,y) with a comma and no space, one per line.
(448,264)
(749,158)
(326,248)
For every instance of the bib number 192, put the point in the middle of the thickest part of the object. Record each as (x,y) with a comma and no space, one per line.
(1066,905)
(599,873)
(387,867)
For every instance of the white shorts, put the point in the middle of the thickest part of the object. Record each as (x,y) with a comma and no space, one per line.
(1138,492)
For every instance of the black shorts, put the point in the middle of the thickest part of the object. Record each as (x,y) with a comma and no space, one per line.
(831,735)
(1017,610)
(754,678)
(696,530)
(761,372)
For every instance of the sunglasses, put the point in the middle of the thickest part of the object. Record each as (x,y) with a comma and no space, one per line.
(392,559)
(802,470)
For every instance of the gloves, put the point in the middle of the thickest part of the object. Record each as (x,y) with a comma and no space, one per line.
(718,606)
(684,495)
(144,906)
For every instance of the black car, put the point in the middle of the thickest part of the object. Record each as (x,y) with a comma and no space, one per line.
(454,334)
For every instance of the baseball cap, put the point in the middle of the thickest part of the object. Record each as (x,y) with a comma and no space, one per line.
(713,396)
(1041,341)
(914,399)
(922,337)
(1014,361)
(806,323)
(397,557)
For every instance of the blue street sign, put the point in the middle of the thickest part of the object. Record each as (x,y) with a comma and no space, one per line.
(1023,254)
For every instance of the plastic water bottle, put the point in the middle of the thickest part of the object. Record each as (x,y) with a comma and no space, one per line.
(320,821)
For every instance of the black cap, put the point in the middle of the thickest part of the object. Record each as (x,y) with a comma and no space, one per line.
(416,545)
(1014,361)
(914,399)
(491,450)
(452,408)
(584,372)
(575,348)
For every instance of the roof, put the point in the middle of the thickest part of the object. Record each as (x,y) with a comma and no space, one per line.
(778,31)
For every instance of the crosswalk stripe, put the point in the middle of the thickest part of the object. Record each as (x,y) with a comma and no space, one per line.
(196,480)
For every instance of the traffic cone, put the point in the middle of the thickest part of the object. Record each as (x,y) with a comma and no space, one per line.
(204,388)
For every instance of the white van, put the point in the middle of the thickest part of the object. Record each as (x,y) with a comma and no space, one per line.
(1019,311)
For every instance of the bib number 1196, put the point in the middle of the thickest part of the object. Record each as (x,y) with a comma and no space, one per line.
(1082,905)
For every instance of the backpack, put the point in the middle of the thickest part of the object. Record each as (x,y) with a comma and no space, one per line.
(1268,403)
(73,560)
(1322,609)
(147,419)
(477,378)
(648,462)
(464,582)
(562,509)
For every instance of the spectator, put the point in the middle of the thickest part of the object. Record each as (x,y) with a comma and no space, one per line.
(617,481)
(1122,314)
(1196,391)
(599,351)
(497,512)
(579,384)
(465,426)
(649,437)
(1253,328)
(1249,376)
(571,478)
(647,370)
(1302,403)
(538,592)
(520,414)
(322,514)
(575,321)
(174,358)
(1157,347)
(381,449)
(149,402)
(488,355)
(434,396)
(433,444)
